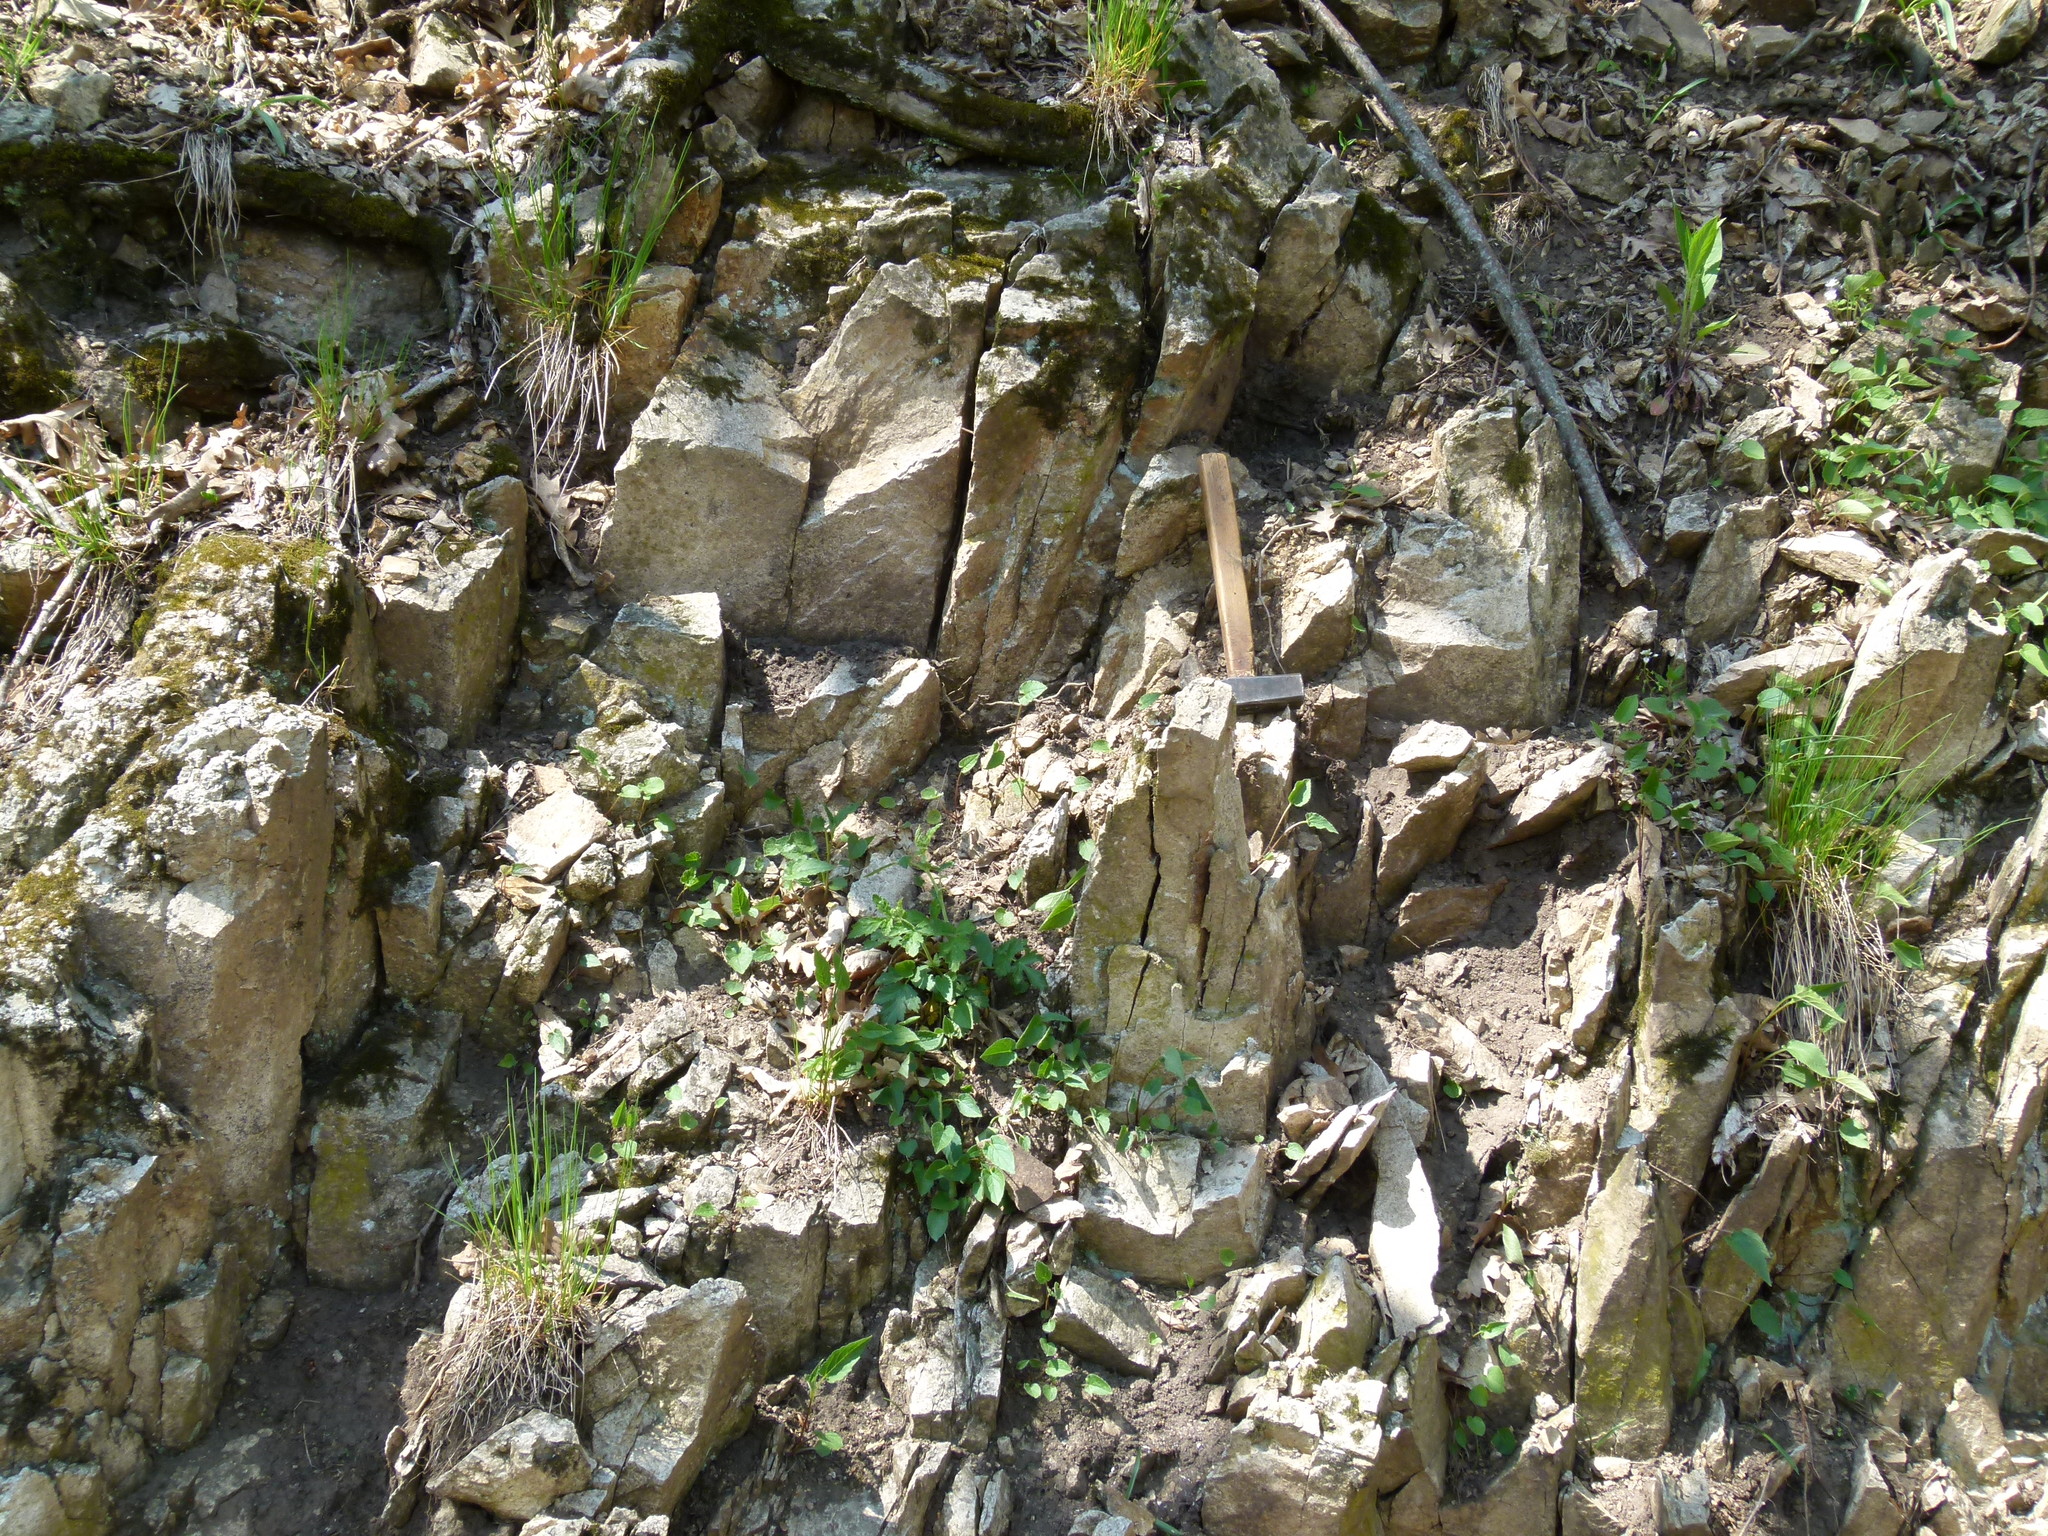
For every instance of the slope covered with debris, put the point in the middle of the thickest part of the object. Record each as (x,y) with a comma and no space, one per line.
(634,897)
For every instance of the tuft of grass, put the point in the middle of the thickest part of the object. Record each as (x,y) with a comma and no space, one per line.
(21,49)
(1127,43)
(573,283)
(96,514)
(519,1344)
(1835,804)
(206,165)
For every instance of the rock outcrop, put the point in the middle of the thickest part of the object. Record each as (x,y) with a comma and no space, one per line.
(1479,606)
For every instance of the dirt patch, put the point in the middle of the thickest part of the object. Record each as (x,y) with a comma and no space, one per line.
(298,1449)
(780,674)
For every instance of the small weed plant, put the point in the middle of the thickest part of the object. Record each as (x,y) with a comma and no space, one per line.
(97,512)
(1812,817)
(1834,803)
(912,1038)
(1698,248)
(1784,1323)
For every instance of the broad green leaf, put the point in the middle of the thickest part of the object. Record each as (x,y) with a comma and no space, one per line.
(838,1365)
(1766,1318)
(1748,1245)
(1809,1056)
(1093,1385)
(1030,691)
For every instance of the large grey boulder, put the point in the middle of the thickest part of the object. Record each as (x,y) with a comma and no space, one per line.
(1926,673)
(674,647)
(1339,272)
(710,490)
(1177,1215)
(379,1167)
(1479,608)
(446,633)
(887,403)
(1050,392)
(520,1468)
(669,1378)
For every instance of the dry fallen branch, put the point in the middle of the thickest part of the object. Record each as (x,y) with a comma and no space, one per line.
(1628,565)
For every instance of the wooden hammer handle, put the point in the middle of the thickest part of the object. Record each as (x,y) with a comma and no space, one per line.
(1226,564)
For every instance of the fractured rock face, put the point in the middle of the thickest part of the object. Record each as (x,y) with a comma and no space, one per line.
(887,403)
(1153,628)
(379,1168)
(674,647)
(1049,396)
(1623,1390)
(1177,1215)
(1181,944)
(710,490)
(1340,349)
(852,734)
(1727,581)
(446,635)
(1926,672)
(1318,602)
(1204,234)
(1479,613)
(1687,1046)
(1416,832)
(1927,1274)
(1100,1321)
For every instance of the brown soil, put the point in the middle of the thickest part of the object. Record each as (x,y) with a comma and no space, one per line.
(320,1405)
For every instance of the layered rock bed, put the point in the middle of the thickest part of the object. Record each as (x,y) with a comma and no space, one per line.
(960,1072)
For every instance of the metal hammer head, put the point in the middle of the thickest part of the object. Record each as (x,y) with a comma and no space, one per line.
(1266,692)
